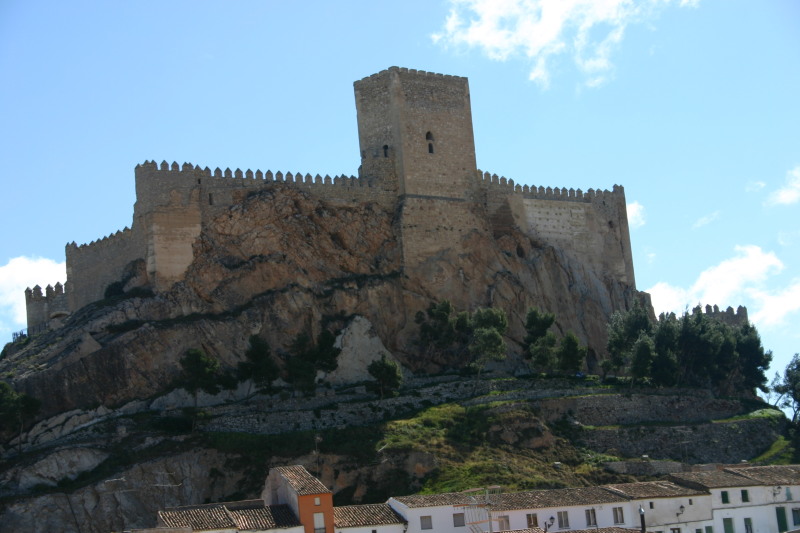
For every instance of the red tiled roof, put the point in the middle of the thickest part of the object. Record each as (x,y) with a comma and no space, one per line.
(248,514)
(613,529)
(301,481)
(770,475)
(517,500)
(653,489)
(713,479)
(365,515)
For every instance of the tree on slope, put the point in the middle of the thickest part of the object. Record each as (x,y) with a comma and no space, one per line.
(570,354)
(789,387)
(387,374)
(15,409)
(258,365)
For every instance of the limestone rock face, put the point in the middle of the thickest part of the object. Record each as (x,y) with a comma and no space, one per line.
(129,499)
(360,347)
(63,464)
(282,262)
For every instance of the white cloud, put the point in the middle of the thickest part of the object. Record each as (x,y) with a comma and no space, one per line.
(705,220)
(740,280)
(754,186)
(790,192)
(18,274)
(636,217)
(541,30)
(788,238)
(776,306)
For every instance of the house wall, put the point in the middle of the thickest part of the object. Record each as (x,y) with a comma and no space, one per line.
(307,508)
(664,513)
(761,508)
(390,528)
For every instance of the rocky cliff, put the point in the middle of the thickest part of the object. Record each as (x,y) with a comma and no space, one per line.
(281,263)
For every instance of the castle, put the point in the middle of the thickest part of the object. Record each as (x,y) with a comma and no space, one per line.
(417,160)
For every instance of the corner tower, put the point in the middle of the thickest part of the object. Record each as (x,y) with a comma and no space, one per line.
(415,127)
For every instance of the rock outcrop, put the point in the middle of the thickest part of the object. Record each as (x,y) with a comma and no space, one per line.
(283,263)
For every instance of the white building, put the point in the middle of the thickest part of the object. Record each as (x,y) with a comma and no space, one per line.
(756,499)
(741,499)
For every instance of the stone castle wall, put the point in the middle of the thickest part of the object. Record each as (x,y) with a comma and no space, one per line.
(92,267)
(44,309)
(417,156)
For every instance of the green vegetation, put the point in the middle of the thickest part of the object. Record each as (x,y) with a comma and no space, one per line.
(15,410)
(691,351)
(788,387)
(544,350)
(475,337)
(387,374)
(258,365)
(308,357)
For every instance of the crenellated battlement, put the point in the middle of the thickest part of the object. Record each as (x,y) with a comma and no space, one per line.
(496,183)
(109,240)
(728,316)
(45,310)
(258,175)
(412,71)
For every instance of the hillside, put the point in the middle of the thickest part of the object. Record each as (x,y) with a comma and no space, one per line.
(113,440)
(103,467)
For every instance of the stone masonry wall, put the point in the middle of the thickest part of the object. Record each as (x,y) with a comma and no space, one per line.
(93,267)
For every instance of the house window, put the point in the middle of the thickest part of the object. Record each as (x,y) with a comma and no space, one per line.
(796,516)
(698,530)
(316,500)
(533,520)
(788,494)
(690,501)
(727,525)
(319,522)
(458,519)
(674,530)
(748,525)
(591,518)
(210,199)
(725,498)
(385,150)
(503,523)
(425,522)
(709,529)
(563,520)
(429,138)
(745,496)
(619,517)
(651,505)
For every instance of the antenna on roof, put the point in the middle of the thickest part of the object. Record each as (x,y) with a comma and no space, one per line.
(478,509)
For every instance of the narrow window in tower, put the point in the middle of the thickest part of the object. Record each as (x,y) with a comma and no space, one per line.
(429,138)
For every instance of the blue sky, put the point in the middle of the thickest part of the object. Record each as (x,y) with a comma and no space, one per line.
(692,106)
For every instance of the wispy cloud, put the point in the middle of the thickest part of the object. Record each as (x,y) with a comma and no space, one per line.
(15,276)
(706,220)
(775,306)
(739,280)
(790,192)
(636,217)
(542,30)
(754,186)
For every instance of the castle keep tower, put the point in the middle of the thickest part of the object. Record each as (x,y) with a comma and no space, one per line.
(416,126)
(415,129)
